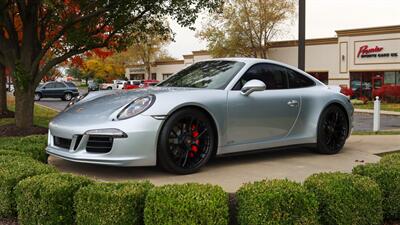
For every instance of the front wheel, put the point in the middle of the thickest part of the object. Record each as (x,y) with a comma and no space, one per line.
(67,97)
(333,129)
(186,142)
(37,96)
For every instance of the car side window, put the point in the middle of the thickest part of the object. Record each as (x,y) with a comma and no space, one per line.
(50,85)
(297,80)
(274,77)
(59,85)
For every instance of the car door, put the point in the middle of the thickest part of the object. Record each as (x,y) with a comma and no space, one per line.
(59,90)
(263,116)
(47,90)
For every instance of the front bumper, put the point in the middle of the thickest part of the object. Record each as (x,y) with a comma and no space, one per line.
(136,148)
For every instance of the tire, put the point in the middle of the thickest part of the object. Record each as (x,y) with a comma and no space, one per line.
(186,142)
(36,97)
(109,88)
(333,129)
(67,97)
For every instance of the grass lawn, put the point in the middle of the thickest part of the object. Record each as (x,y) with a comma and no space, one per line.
(395,132)
(384,106)
(42,115)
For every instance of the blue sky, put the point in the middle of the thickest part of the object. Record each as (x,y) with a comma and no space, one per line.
(323,18)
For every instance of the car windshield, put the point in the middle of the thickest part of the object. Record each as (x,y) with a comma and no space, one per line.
(208,74)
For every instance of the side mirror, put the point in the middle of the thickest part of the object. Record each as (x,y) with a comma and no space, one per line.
(252,86)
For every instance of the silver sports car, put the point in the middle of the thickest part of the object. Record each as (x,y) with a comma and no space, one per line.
(212,107)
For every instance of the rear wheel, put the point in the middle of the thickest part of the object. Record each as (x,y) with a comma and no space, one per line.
(67,97)
(186,142)
(37,96)
(333,128)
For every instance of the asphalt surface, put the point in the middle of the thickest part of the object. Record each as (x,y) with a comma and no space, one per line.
(362,121)
(232,172)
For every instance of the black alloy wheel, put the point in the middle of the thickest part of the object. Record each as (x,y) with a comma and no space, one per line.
(333,129)
(186,142)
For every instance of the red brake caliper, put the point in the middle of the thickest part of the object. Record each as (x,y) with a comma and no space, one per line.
(195,134)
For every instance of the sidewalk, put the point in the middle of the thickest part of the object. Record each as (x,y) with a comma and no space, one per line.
(232,172)
(383,112)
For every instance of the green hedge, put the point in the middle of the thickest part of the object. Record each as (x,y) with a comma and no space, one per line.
(32,145)
(13,153)
(390,159)
(48,199)
(346,198)
(111,203)
(12,170)
(276,202)
(388,178)
(186,204)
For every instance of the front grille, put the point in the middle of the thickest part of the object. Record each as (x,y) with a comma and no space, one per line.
(62,142)
(99,144)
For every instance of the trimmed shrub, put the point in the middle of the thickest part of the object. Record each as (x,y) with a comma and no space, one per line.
(111,203)
(34,146)
(390,159)
(346,198)
(48,199)
(13,153)
(276,202)
(12,170)
(388,178)
(186,204)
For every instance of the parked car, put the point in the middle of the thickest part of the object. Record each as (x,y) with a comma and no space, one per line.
(213,107)
(10,87)
(93,86)
(116,84)
(132,84)
(54,89)
(148,83)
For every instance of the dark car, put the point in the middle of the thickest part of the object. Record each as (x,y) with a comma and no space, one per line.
(64,90)
(93,86)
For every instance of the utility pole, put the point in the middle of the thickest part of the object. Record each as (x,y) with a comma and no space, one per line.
(302,34)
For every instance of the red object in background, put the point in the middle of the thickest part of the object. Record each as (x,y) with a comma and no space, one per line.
(135,84)
(346,91)
(389,93)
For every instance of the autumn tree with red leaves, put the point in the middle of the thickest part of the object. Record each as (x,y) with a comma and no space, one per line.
(37,35)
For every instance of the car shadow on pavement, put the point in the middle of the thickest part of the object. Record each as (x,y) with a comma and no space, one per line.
(102,172)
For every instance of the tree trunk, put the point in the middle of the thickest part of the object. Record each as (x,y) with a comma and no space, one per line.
(3,93)
(24,104)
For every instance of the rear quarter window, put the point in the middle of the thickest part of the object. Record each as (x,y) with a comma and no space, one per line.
(297,80)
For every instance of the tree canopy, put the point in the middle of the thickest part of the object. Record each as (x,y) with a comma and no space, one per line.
(36,35)
(245,27)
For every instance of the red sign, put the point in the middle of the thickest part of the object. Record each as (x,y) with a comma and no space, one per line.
(364,50)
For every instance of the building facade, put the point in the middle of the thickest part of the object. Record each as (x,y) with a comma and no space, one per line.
(361,59)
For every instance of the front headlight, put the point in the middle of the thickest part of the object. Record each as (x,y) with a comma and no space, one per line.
(136,107)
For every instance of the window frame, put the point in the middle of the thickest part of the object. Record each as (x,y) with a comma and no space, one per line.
(281,66)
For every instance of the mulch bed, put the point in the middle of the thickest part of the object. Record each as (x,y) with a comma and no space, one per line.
(8,222)
(11,130)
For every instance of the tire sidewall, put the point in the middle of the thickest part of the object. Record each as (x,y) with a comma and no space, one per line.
(321,146)
(67,94)
(163,158)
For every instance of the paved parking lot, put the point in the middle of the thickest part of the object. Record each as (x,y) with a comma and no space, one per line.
(232,172)
(362,121)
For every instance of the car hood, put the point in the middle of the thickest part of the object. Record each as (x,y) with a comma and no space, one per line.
(100,105)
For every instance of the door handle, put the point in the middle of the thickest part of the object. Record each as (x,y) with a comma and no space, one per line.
(293,103)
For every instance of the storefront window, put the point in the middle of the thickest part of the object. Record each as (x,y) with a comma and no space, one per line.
(390,77)
(398,78)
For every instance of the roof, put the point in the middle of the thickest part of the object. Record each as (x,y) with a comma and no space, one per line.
(369,31)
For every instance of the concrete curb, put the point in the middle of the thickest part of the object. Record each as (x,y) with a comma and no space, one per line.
(47,107)
(370,111)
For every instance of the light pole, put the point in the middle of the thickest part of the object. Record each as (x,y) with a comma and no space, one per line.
(302,34)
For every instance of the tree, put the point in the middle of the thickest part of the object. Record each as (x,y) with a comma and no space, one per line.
(245,27)
(103,69)
(31,30)
(148,47)
(4,112)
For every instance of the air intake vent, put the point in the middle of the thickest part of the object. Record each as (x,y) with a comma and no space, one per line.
(99,144)
(62,142)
